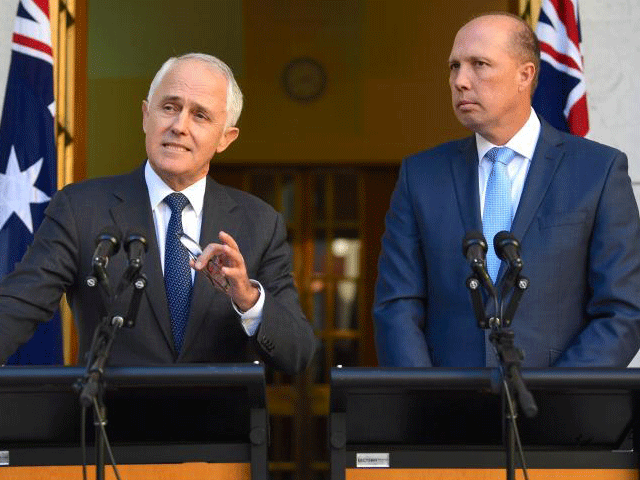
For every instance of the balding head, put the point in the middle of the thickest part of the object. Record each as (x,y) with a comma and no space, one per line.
(491,77)
(523,43)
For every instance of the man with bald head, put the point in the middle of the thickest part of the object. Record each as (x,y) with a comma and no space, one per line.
(236,302)
(566,199)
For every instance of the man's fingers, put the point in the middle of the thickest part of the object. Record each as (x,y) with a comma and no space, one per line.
(228,239)
(211,251)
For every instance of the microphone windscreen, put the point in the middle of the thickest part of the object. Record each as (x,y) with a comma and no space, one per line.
(471,238)
(502,236)
(112,234)
(135,236)
(504,240)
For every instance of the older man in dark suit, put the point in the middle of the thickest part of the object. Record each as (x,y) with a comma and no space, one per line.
(568,200)
(188,117)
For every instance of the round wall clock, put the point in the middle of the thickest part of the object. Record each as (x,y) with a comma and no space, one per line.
(304,79)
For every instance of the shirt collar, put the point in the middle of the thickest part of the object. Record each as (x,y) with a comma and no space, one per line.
(523,142)
(158,190)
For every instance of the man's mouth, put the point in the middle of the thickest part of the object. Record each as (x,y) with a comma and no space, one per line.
(176,147)
(464,103)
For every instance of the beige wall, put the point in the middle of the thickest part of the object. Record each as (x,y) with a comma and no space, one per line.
(127,43)
(386,62)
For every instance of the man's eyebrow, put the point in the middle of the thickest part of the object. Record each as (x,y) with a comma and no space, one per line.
(199,107)
(469,58)
(178,99)
(170,98)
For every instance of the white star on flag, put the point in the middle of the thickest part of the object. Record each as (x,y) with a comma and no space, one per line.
(17,191)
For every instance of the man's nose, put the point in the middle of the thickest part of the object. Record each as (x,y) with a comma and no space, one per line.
(460,78)
(180,122)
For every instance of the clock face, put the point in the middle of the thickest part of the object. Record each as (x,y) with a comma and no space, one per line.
(304,79)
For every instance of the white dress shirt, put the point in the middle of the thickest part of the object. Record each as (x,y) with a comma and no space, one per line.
(191,225)
(523,143)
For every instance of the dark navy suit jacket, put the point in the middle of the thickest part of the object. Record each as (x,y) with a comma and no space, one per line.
(577,222)
(60,260)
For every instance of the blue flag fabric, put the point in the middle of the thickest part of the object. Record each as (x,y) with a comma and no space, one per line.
(28,159)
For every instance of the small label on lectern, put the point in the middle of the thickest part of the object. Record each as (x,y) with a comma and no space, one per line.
(372,460)
(4,457)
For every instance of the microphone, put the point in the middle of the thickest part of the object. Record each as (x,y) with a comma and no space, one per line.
(508,249)
(107,244)
(136,246)
(474,248)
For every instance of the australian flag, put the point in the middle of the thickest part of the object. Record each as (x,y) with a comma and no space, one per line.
(561,96)
(28,158)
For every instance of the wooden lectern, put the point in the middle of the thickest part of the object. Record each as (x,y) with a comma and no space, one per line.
(173,422)
(443,423)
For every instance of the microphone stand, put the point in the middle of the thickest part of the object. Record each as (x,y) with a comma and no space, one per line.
(92,385)
(510,358)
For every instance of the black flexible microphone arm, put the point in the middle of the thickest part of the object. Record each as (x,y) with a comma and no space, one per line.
(507,249)
(474,249)
(136,246)
(107,244)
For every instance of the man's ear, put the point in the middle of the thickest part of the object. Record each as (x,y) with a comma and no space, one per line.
(526,74)
(229,135)
(145,115)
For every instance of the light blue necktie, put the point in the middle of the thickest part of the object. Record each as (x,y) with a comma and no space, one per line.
(497,203)
(177,273)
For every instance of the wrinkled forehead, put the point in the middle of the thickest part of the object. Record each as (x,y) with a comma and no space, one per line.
(192,79)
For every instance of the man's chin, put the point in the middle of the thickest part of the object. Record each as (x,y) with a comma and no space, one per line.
(468,120)
(169,166)
(171,160)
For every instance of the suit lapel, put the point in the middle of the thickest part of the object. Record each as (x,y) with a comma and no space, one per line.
(219,212)
(544,164)
(134,213)
(464,166)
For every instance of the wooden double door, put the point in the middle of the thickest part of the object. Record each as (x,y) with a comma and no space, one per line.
(335,219)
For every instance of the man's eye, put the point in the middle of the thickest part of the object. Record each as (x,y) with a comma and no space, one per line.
(453,66)
(169,107)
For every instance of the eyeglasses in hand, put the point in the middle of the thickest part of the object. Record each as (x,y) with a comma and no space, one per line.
(212,270)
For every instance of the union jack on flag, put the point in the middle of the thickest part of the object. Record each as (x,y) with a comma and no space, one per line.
(561,96)
(28,158)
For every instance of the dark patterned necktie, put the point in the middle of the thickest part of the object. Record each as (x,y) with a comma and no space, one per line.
(177,273)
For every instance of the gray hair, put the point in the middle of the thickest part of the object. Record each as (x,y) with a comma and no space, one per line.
(234,95)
